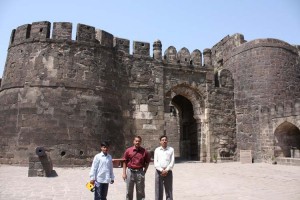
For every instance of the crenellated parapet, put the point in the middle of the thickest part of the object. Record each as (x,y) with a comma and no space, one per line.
(85,34)
(261,43)
(220,51)
(34,31)
(281,109)
(183,57)
(37,58)
(62,31)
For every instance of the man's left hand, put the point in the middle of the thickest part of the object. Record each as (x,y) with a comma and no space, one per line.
(164,173)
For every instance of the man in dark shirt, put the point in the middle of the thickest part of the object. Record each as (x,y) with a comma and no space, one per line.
(136,163)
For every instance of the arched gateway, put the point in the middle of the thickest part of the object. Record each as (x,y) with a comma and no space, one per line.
(185,121)
(287,140)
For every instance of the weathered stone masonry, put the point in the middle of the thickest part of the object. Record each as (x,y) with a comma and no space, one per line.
(69,95)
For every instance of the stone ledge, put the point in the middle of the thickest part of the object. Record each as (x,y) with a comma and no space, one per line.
(288,161)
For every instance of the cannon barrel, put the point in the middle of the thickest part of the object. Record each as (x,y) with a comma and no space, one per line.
(40,151)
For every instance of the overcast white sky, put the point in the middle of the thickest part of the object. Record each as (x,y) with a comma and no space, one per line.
(194,24)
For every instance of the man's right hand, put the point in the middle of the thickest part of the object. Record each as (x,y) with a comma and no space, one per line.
(164,173)
(92,182)
(124,176)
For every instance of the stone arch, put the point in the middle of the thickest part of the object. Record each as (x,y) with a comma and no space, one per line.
(287,140)
(187,107)
(196,95)
(193,95)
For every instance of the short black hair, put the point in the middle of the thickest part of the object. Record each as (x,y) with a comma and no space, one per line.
(163,136)
(104,144)
(137,136)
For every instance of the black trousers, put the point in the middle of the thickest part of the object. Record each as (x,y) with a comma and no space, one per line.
(101,191)
(161,183)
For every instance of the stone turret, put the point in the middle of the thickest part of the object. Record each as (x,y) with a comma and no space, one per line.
(157,50)
(207,57)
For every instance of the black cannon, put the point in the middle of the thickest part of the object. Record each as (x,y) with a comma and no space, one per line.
(40,151)
(40,164)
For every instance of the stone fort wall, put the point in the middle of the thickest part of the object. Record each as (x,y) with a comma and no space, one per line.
(59,93)
(266,74)
(69,95)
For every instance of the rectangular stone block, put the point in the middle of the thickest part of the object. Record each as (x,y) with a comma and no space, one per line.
(149,127)
(245,156)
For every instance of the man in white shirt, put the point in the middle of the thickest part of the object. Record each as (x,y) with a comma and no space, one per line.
(101,173)
(164,163)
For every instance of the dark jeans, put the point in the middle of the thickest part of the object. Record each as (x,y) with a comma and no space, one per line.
(101,191)
(161,183)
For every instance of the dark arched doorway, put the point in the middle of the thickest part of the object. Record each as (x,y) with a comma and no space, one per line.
(188,144)
(287,137)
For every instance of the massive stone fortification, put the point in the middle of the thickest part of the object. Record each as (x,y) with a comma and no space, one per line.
(69,95)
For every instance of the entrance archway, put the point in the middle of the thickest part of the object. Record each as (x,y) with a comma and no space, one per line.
(287,140)
(188,139)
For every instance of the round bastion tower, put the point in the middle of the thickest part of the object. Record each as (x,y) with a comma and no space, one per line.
(267,94)
(60,94)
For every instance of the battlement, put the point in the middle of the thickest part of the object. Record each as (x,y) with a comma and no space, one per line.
(282,109)
(258,43)
(62,31)
(40,31)
(184,58)
(141,48)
